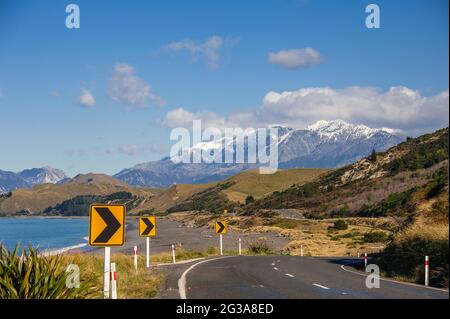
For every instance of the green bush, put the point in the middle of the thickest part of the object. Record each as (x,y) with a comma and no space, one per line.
(249,199)
(28,275)
(340,225)
(375,237)
(260,247)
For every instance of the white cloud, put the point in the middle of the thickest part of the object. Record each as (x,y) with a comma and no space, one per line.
(130,90)
(183,118)
(86,98)
(209,50)
(133,150)
(295,58)
(398,108)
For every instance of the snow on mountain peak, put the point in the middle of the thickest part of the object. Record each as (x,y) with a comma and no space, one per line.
(337,128)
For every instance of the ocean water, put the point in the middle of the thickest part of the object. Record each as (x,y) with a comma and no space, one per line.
(45,233)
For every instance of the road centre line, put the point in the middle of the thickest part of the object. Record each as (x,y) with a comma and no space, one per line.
(320,286)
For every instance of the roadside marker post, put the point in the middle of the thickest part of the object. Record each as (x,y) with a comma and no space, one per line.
(427,270)
(365,260)
(135,259)
(113,278)
(240,247)
(301,250)
(221,251)
(173,253)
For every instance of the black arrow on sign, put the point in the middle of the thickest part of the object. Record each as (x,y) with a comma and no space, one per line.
(222,227)
(149,225)
(112,225)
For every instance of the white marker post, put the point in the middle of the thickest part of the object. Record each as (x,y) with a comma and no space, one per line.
(220,239)
(148,253)
(106,270)
(301,250)
(113,278)
(135,259)
(365,260)
(173,253)
(427,270)
(240,247)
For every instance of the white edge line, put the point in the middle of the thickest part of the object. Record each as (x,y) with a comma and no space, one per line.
(320,286)
(182,280)
(390,280)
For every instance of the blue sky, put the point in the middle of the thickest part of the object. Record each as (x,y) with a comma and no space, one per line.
(105,96)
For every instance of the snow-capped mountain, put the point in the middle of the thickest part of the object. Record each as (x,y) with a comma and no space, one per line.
(42,175)
(324,144)
(27,178)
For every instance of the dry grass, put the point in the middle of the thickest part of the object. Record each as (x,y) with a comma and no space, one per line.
(130,285)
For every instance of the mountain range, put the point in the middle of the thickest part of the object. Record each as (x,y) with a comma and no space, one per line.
(27,178)
(325,144)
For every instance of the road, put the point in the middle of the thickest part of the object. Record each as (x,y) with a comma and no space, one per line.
(170,232)
(250,277)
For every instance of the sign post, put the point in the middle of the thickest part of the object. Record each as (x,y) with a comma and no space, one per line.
(147,228)
(221,229)
(106,229)
(106,271)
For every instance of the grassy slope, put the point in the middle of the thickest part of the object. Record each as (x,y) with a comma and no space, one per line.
(42,196)
(258,185)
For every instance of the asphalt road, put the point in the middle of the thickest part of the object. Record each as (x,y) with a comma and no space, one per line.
(249,277)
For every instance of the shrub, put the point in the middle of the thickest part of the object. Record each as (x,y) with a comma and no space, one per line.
(375,237)
(340,225)
(29,275)
(249,199)
(259,247)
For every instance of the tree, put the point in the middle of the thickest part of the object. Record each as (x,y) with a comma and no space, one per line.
(249,199)
(373,156)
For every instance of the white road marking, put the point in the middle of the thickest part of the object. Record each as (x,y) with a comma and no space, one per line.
(320,286)
(289,275)
(273,264)
(391,280)
(182,280)
(275,268)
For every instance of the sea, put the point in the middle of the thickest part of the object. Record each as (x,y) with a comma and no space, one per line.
(46,234)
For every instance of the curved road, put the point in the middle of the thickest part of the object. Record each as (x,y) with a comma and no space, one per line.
(251,277)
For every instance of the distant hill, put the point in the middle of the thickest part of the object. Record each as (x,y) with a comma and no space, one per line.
(325,144)
(233,191)
(40,197)
(357,188)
